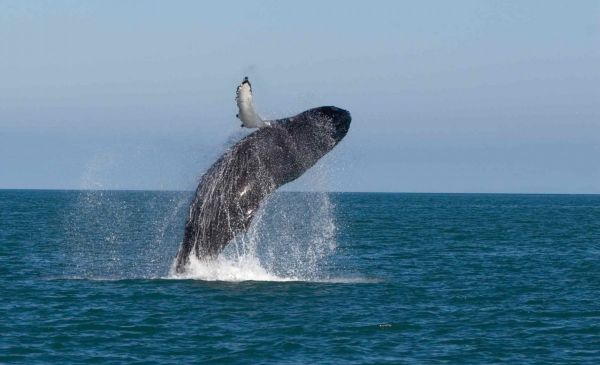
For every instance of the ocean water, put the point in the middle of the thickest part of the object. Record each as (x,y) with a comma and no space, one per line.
(320,278)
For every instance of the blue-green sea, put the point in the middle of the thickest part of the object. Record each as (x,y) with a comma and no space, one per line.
(320,278)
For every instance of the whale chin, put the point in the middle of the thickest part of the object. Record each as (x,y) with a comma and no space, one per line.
(232,189)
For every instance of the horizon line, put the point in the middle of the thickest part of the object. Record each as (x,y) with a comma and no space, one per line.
(302,191)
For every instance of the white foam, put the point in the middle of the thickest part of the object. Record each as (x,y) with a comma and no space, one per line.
(243,268)
(248,268)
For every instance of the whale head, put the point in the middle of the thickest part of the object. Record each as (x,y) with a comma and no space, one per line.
(339,119)
(327,124)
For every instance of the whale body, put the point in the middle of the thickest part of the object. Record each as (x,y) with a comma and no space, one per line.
(232,189)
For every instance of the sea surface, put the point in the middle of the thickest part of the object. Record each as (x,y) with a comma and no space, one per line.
(85,277)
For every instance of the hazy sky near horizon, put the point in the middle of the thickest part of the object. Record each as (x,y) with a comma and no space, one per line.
(461,96)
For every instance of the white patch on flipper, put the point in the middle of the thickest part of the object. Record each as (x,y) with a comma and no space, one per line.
(246,111)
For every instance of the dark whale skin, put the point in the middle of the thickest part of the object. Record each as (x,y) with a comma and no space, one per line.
(232,189)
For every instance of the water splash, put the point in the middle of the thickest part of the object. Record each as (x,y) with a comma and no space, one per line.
(122,234)
(242,268)
(291,239)
(274,237)
(113,235)
(294,235)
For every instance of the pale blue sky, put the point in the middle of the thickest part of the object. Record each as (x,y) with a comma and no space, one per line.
(446,96)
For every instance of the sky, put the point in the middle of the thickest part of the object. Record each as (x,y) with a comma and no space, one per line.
(445,96)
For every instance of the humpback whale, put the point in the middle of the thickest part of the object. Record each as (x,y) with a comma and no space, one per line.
(232,189)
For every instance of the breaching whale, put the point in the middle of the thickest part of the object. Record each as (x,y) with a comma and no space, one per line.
(232,189)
